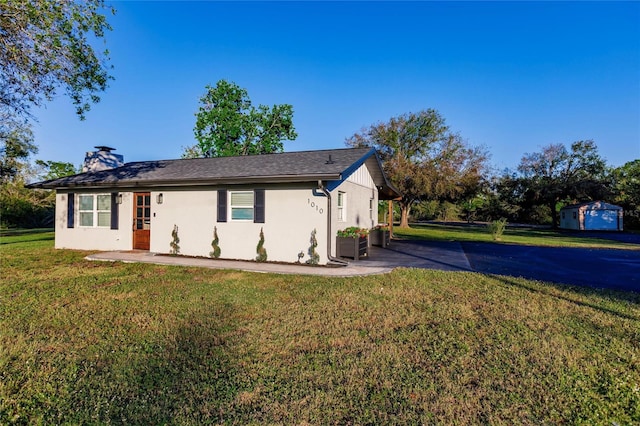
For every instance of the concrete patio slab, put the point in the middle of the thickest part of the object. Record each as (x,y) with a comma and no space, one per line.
(447,256)
(441,255)
(275,268)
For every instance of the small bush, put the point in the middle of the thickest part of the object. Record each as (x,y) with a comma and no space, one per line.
(262,252)
(215,244)
(496,228)
(175,248)
(353,232)
(314,257)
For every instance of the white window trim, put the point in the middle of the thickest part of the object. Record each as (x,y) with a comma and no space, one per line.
(231,206)
(342,209)
(94,211)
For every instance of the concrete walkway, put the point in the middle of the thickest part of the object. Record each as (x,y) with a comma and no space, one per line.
(353,269)
(447,256)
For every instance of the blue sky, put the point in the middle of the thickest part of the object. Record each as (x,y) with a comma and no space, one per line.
(510,76)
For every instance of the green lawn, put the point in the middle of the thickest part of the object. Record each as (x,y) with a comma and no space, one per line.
(523,236)
(93,342)
(9,236)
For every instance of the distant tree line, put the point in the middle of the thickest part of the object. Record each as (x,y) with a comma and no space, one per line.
(542,184)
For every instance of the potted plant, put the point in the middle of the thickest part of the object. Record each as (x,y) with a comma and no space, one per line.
(352,242)
(380,236)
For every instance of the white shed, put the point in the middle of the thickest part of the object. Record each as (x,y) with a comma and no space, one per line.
(592,216)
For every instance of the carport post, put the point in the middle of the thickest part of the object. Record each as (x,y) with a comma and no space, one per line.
(390,219)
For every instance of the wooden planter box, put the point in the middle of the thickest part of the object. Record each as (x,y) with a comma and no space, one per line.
(379,237)
(352,247)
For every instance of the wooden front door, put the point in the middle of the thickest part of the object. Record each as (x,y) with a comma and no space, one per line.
(141,220)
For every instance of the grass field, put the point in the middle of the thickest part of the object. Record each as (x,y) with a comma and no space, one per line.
(523,236)
(84,342)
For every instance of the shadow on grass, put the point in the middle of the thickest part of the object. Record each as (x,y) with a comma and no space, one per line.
(23,231)
(190,376)
(630,297)
(27,237)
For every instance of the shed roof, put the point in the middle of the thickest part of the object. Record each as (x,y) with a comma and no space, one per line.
(592,205)
(301,166)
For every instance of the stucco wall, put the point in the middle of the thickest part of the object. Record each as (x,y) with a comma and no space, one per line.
(291,214)
(359,189)
(96,238)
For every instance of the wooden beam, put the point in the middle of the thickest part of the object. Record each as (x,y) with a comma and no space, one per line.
(390,218)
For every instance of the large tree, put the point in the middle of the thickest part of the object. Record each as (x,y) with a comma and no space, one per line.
(228,124)
(627,192)
(423,159)
(16,146)
(19,206)
(557,174)
(46,45)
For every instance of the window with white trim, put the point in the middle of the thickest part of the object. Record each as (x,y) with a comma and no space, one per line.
(371,208)
(94,210)
(342,207)
(241,205)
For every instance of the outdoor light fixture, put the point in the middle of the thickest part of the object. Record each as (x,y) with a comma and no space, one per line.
(119,199)
(159,198)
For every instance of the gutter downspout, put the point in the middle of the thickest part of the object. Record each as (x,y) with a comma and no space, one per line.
(331,258)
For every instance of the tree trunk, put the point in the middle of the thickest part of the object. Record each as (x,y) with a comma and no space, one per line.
(554,215)
(404,215)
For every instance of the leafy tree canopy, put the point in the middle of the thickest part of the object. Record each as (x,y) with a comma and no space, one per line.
(46,45)
(56,169)
(557,173)
(423,159)
(227,124)
(627,192)
(16,145)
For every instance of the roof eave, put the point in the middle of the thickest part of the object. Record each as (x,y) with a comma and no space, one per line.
(190,182)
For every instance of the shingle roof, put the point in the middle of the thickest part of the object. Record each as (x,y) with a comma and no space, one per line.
(302,166)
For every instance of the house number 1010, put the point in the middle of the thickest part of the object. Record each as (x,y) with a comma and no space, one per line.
(314,206)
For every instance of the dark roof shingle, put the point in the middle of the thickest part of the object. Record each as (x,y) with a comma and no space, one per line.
(303,166)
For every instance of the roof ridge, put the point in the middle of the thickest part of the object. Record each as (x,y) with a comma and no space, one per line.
(255,155)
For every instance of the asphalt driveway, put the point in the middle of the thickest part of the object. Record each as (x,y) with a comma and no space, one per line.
(602,268)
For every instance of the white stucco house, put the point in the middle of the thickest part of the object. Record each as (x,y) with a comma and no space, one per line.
(135,206)
(592,216)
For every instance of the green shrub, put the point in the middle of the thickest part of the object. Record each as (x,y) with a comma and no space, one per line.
(175,248)
(262,252)
(215,244)
(496,228)
(314,257)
